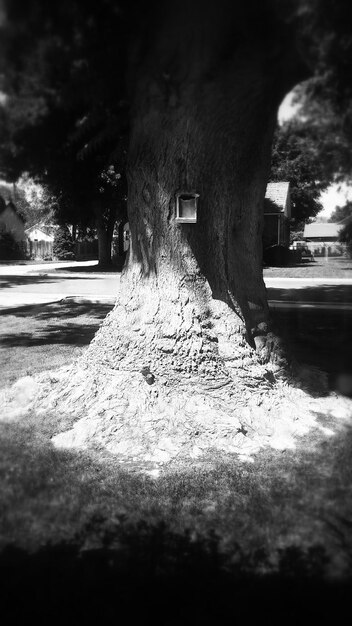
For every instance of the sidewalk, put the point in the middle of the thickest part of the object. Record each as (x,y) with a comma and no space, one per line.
(26,284)
(9,300)
(21,268)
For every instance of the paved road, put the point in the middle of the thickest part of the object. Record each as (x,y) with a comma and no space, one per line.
(24,283)
(27,284)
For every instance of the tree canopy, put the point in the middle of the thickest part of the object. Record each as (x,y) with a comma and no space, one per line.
(341,213)
(296,158)
(64,121)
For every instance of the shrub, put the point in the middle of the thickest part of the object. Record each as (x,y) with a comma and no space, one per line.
(63,247)
(10,250)
(345,236)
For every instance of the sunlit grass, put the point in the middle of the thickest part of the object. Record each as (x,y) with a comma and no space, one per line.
(37,338)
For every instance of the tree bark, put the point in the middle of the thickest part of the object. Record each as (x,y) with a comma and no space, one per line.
(204,114)
(190,334)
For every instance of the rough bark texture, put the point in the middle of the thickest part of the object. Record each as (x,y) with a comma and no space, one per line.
(204,114)
(188,344)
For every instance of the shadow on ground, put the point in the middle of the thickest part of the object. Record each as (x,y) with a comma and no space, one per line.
(319,338)
(324,294)
(59,310)
(74,334)
(50,324)
(45,337)
(92,269)
(119,547)
(7,281)
(61,585)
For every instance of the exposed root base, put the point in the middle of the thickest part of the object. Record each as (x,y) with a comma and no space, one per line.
(153,425)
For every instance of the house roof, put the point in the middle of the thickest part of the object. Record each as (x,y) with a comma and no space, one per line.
(45,228)
(46,231)
(9,205)
(321,230)
(34,234)
(277,193)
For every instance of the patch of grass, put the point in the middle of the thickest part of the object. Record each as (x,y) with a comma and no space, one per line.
(111,268)
(42,337)
(318,337)
(247,513)
(334,267)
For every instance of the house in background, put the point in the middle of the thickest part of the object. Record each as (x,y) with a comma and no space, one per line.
(277,214)
(40,241)
(322,239)
(11,221)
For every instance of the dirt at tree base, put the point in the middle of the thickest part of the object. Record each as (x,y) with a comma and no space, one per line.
(150,426)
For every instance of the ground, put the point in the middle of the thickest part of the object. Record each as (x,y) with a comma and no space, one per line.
(330,267)
(46,336)
(214,520)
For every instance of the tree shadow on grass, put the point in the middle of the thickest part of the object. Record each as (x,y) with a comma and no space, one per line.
(70,334)
(59,310)
(52,324)
(323,294)
(34,279)
(322,338)
(142,570)
(115,268)
(318,336)
(62,585)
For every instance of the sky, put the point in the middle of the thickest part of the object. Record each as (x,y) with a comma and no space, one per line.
(336,194)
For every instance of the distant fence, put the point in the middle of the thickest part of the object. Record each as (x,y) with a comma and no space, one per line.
(41,249)
(326,248)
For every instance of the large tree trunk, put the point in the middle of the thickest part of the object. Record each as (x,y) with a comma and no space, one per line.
(206,126)
(188,339)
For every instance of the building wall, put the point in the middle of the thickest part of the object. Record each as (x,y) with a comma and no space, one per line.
(276,230)
(39,249)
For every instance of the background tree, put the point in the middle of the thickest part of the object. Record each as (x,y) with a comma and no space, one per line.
(64,120)
(345,236)
(63,246)
(296,158)
(32,201)
(9,248)
(314,149)
(341,213)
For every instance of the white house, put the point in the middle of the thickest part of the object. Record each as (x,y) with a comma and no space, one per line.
(322,239)
(277,213)
(39,241)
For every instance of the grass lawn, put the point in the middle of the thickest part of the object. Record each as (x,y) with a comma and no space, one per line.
(333,267)
(47,336)
(212,541)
